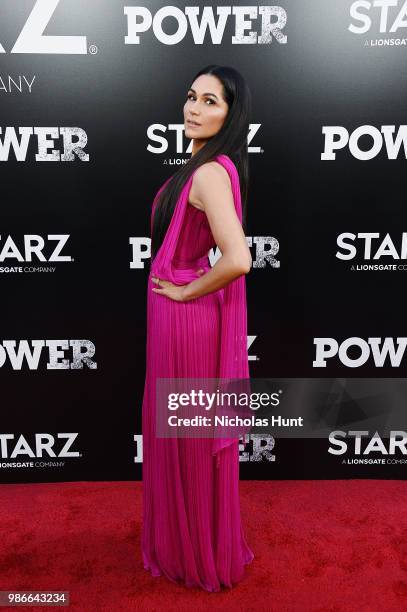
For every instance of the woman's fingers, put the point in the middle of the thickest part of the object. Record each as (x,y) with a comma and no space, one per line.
(160,282)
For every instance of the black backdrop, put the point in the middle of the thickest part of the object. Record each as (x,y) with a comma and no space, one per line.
(325,68)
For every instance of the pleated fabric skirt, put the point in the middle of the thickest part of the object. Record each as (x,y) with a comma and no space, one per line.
(192,531)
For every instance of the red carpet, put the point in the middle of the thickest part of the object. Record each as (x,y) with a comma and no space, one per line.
(320,546)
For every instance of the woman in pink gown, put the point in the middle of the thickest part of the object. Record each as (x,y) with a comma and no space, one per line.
(192,531)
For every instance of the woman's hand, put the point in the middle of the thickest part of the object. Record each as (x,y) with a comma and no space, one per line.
(167,288)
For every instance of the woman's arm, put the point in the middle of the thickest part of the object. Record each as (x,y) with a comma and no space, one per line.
(213,190)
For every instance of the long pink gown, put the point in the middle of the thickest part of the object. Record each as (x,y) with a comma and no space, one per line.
(192,531)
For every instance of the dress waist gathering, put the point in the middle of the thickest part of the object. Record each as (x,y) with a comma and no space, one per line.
(184,270)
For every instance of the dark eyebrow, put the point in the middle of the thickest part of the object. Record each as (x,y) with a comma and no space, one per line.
(205,94)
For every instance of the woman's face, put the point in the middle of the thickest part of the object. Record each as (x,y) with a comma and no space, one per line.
(206,107)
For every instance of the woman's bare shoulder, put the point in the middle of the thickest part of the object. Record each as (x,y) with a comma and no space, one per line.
(209,173)
(209,170)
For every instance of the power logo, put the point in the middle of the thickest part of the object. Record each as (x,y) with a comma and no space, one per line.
(272,20)
(74,140)
(266,248)
(262,448)
(16,353)
(378,348)
(337,137)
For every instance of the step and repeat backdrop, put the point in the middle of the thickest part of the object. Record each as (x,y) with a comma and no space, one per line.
(91,97)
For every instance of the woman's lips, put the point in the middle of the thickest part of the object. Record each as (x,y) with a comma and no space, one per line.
(193,125)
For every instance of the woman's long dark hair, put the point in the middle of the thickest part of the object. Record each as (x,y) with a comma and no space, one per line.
(231,140)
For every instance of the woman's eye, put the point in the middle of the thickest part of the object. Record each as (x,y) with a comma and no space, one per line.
(208,100)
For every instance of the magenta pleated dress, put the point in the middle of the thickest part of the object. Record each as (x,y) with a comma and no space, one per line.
(192,530)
